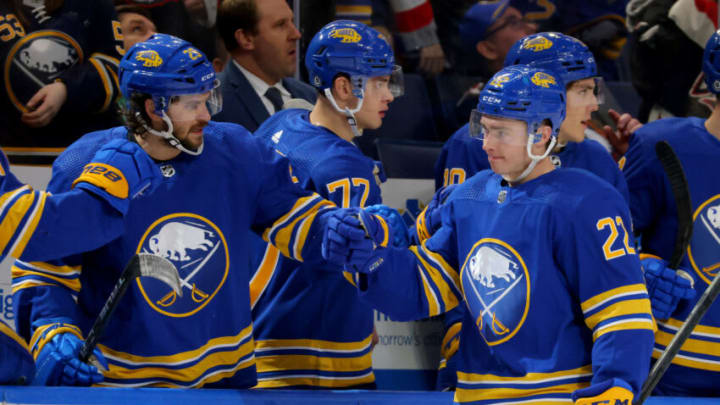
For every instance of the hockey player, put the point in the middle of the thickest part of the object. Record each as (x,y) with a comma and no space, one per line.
(220,183)
(36,225)
(694,371)
(463,156)
(541,257)
(353,68)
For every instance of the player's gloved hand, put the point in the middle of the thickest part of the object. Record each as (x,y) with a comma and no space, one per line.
(666,287)
(430,219)
(394,220)
(56,352)
(120,171)
(350,239)
(615,391)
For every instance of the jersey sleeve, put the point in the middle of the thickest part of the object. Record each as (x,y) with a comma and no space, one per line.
(288,217)
(596,253)
(428,274)
(92,86)
(37,225)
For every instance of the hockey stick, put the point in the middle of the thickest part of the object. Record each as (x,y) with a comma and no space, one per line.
(681,193)
(141,264)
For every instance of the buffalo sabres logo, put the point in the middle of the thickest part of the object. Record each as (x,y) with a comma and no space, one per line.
(192,53)
(346,35)
(497,289)
(704,249)
(149,58)
(36,60)
(199,251)
(543,80)
(537,44)
(499,81)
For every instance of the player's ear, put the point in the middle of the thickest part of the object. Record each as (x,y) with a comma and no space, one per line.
(342,89)
(150,110)
(244,39)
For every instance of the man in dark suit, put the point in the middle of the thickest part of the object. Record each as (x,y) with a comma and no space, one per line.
(261,39)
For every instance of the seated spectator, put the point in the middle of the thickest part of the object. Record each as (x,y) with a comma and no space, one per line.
(261,39)
(60,82)
(135,24)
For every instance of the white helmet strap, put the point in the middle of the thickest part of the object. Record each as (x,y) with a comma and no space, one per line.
(171,139)
(350,114)
(534,159)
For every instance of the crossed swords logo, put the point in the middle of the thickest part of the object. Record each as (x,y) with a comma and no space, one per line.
(497,327)
(196,293)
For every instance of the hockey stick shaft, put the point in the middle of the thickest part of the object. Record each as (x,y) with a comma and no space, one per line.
(131,271)
(680,337)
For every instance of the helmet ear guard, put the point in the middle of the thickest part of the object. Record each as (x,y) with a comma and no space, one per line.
(711,63)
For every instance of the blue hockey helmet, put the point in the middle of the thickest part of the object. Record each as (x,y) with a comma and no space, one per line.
(165,66)
(352,48)
(564,55)
(522,93)
(711,63)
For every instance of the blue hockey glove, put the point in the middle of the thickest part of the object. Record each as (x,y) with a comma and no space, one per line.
(615,391)
(57,361)
(666,287)
(430,219)
(396,222)
(120,171)
(351,237)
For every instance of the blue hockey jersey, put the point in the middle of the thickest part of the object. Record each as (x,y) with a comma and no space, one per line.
(552,283)
(16,364)
(463,156)
(199,218)
(695,371)
(331,347)
(77,44)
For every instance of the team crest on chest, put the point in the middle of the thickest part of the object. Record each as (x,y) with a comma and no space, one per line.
(704,249)
(198,249)
(496,284)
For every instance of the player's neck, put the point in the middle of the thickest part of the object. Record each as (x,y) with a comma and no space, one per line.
(712,124)
(326,116)
(157,147)
(544,166)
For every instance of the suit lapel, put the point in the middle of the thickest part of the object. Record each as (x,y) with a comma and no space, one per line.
(245,95)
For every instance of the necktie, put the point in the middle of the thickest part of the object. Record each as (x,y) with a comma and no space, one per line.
(273,94)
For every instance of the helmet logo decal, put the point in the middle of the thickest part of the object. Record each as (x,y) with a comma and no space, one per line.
(346,35)
(149,58)
(499,80)
(543,80)
(537,44)
(192,53)
(317,81)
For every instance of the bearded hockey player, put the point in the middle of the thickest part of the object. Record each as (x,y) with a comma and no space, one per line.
(542,258)
(220,183)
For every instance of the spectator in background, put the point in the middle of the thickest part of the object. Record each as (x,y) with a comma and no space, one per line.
(261,39)
(135,24)
(60,83)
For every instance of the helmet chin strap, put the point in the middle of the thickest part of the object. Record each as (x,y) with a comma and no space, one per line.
(171,139)
(350,114)
(534,159)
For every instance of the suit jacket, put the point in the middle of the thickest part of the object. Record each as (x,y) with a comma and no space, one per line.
(243,106)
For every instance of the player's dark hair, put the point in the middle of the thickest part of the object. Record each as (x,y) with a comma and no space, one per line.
(133,114)
(236,15)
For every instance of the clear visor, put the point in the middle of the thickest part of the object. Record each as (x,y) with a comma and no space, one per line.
(195,107)
(507,131)
(587,92)
(394,83)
